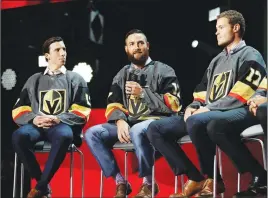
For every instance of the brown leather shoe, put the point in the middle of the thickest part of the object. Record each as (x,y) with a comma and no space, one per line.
(190,188)
(146,191)
(34,193)
(37,193)
(122,190)
(207,191)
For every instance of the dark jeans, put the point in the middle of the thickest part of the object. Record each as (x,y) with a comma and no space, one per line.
(163,135)
(222,128)
(24,139)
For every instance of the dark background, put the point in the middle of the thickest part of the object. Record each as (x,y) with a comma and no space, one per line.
(170,26)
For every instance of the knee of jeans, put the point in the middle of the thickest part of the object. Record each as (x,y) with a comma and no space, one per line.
(93,134)
(215,128)
(63,132)
(19,136)
(193,124)
(66,135)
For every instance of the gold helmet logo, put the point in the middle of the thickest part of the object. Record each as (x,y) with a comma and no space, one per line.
(52,102)
(136,108)
(219,87)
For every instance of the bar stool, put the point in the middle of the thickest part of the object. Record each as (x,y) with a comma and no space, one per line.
(250,135)
(45,147)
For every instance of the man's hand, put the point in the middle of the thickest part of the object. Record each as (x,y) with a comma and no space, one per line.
(188,112)
(258,100)
(123,131)
(133,88)
(255,102)
(43,121)
(55,119)
(201,110)
(252,107)
(46,121)
(253,110)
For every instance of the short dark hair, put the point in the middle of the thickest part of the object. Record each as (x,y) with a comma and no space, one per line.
(48,42)
(235,18)
(134,31)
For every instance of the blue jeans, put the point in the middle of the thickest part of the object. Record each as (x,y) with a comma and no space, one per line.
(24,139)
(202,128)
(101,138)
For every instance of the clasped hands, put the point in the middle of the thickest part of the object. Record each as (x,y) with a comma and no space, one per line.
(45,121)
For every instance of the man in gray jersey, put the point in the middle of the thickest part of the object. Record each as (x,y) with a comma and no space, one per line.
(141,92)
(53,106)
(231,79)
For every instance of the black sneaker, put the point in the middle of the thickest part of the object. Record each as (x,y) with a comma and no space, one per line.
(257,188)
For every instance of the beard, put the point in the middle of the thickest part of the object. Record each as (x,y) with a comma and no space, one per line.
(226,42)
(138,61)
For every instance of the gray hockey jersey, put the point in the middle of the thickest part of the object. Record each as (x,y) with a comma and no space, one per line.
(231,79)
(63,95)
(161,94)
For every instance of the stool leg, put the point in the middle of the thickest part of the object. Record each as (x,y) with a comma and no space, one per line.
(262,149)
(220,165)
(176,184)
(126,173)
(83,172)
(15,175)
(215,175)
(153,182)
(21,179)
(71,172)
(263,154)
(153,176)
(101,184)
(265,150)
(238,182)
(182,181)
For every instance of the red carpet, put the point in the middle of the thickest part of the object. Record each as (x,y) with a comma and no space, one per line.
(60,183)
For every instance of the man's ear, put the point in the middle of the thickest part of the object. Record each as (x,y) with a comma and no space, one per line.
(47,56)
(236,28)
(148,45)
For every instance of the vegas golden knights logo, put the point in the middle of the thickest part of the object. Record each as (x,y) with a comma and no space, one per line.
(219,87)
(52,102)
(136,108)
